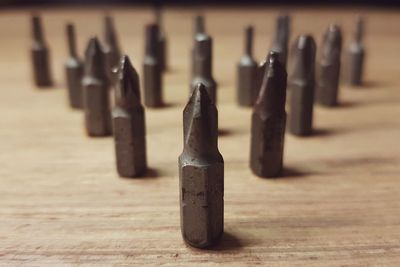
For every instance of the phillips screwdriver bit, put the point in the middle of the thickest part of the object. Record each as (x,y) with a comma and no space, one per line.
(95,91)
(329,67)
(111,48)
(162,40)
(40,55)
(281,40)
(129,123)
(268,122)
(302,84)
(73,70)
(201,173)
(356,54)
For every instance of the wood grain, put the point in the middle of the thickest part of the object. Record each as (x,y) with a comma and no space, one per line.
(62,203)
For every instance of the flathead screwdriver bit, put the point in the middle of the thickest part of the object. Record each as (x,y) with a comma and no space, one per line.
(162,40)
(356,55)
(111,48)
(281,41)
(201,173)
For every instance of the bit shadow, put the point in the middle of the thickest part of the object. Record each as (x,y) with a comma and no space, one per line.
(371,84)
(224,132)
(169,105)
(290,172)
(151,173)
(348,104)
(228,242)
(321,132)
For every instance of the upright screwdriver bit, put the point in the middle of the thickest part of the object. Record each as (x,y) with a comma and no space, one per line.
(152,69)
(40,55)
(202,63)
(302,85)
(129,123)
(268,122)
(329,67)
(356,55)
(281,40)
(95,92)
(247,73)
(199,25)
(201,173)
(73,70)
(162,40)
(111,48)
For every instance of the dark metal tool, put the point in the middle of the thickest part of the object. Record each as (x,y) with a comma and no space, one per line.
(129,123)
(247,73)
(74,70)
(95,91)
(199,31)
(111,48)
(40,55)
(152,69)
(268,122)
(162,40)
(201,173)
(356,55)
(329,67)
(281,40)
(302,85)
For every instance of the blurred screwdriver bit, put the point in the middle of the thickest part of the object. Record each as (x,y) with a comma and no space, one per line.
(111,48)
(281,40)
(247,73)
(199,31)
(201,173)
(329,67)
(302,85)
(162,40)
(129,123)
(152,69)
(74,70)
(95,91)
(356,55)
(268,122)
(40,55)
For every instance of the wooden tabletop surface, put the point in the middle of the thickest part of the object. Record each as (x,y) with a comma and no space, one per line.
(62,202)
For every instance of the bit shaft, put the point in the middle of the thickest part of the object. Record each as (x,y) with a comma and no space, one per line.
(111,48)
(162,40)
(281,40)
(199,25)
(356,55)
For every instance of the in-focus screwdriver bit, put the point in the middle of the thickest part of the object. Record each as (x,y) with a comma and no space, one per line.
(247,73)
(329,67)
(302,85)
(129,123)
(268,122)
(162,40)
(201,173)
(281,40)
(152,69)
(40,55)
(95,91)
(111,48)
(74,70)
(356,54)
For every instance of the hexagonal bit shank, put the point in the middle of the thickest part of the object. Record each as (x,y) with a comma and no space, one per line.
(356,55)
(281,40)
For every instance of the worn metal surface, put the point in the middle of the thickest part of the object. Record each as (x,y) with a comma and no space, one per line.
(356,55)
(281,40)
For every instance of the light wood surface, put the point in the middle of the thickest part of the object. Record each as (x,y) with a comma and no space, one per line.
(62,203)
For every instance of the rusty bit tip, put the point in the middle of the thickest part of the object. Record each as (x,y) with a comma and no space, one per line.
(268,122)
(201,173)
(127,93)
(302,85)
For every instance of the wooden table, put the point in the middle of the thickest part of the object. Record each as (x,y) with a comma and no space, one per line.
(62,203)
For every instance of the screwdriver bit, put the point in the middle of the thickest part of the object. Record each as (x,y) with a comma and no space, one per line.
(199,31)
(268,122)
(201,173)
(329,67)
(129,123)
(95,91)
(40,55)
(356,55)
(202,66)
(281,40)
(111,48)
(247,73)
(162,40)
(152,69)
(302,85)
(74,70)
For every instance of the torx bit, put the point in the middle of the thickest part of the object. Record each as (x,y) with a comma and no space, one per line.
(247,73)
(356,54)
(40,55)
(111,48)
(202,66)
(201,173)
(73,70)
(281,40)
(268,122)
(329,67)
(152,69)
(302,85)
(129,123)
(162,40)
(95,91)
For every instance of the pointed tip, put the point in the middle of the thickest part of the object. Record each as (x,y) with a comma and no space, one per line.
(200,95)
(128,91)
(94,46)
(304,42)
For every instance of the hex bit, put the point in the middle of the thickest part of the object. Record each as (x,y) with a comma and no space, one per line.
(201,173)
(95,91)
(329,67)
(152,69)
(247,73)
(129,123)
(268,122)
(111,48)
(40,55)
(281,41)
(356,55)
(302,85)
(162,40)
(73,70)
